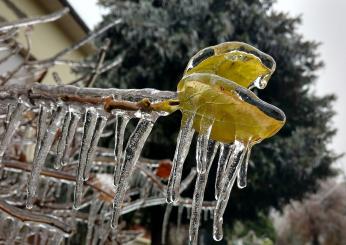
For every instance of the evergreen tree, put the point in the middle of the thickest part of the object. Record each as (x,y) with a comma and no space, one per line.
(157,38)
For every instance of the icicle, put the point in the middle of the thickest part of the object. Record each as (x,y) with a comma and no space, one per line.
(10,109)
(211,212)
(90,120)
(103,229)
(180,215)
(41,127)
(242,173)
(45,191)
(62,140)
(225,152)
(94,208)
(188,212)
(58,189)
(165,223)
(13,233)
(181,151)
(122,119)
(227,182)
(13,124)
(205,214)
(75,117)
(57,238)
(198,194)
(202,144)
(37,236)
(100,124)
(132,151)
(42,153)
(43,237)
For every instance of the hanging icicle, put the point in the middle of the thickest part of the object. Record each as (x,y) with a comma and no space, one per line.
(94,208)
(242,173)
(90,120)
(100,124)
(165,223)
(42,153)
(183,145)
(75,117)
(131,154)
(225,153)
(198,194)
(41,127)
(13,124)
(62,140)
(122,119)
(179,217)
(229,176)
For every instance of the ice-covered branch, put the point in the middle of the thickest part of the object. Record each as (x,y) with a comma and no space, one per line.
(126,99)
(60,175)
(25,215)
(44,64)
(9,26)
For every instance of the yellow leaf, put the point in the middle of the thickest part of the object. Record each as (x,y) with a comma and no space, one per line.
(237,112)
(235,61)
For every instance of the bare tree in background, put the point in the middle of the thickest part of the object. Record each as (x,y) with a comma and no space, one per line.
(318,220)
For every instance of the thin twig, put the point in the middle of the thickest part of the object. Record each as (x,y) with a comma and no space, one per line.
(33,21)
(26,58)
(53,174)
(57,78)
(14,51)
(51,61)
(25,215)
(8,34)
(103,69)
(99,63)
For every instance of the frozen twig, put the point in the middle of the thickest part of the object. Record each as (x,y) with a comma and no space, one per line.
(99,63)
(45,64)
(10,26)
(25,215)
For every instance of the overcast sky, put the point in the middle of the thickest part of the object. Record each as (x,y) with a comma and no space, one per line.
(323,21)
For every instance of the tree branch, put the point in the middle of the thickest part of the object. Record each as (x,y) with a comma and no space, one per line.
(25,215)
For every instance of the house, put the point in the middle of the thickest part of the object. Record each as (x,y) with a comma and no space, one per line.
(46,39)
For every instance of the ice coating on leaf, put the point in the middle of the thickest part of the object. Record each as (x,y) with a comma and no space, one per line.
(227,182)
(13,124)
(42,153)
(165,223)
(100,124)
(235,61)
(131,154)
(242,173)
(122,119)
(198,194)
(237,112)
(90,119)
(215,89)
(183,145)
